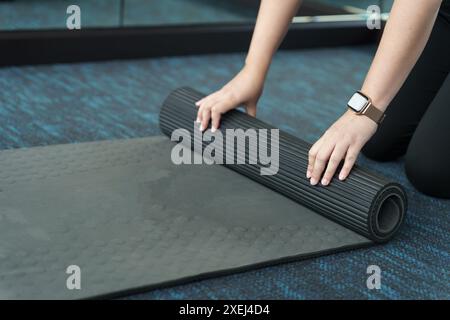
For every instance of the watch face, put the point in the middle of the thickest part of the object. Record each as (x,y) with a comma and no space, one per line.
(358,102)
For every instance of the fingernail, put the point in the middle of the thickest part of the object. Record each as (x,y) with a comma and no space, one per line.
(197,103)
(341,176)
(197,120)
(325,182)
(308,174)
(213,129)
(313,181)
(201,127)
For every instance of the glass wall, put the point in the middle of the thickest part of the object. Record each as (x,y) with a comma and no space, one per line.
(53,14)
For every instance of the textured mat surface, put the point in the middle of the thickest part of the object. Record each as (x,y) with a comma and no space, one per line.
(57,104)
(129,218)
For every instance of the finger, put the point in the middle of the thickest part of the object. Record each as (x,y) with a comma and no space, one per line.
(206,115)
(321,161)
(216,113)
(199,102)
(251,109)
(335,159)
(199,115)
(312,157)
(350,159)
(206,109)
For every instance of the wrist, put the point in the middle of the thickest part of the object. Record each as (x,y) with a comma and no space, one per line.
(257,69)
(380,100)
(359,119)
(362,105)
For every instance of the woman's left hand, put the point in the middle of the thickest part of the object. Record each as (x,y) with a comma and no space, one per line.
(343,140)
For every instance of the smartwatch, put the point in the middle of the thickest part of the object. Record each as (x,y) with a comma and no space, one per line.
(362,105)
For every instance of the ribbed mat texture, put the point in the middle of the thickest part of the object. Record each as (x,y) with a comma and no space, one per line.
(365,202)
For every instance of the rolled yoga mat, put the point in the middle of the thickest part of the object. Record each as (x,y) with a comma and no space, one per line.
(365,202)
(128,219)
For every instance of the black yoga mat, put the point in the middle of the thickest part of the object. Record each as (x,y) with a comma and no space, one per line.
(365,203)
(132,220)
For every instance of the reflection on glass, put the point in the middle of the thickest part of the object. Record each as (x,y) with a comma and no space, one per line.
(356,6)
(51,14)
(154,12)
(151,12)
(359,6)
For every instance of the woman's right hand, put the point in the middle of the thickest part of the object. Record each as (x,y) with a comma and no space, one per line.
(244,89)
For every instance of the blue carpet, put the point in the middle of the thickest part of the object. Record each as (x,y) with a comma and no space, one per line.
(305,92)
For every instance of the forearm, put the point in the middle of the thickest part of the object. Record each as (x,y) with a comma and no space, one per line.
(274,18)
(404,38)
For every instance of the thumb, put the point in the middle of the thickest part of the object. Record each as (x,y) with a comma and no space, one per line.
(251,109)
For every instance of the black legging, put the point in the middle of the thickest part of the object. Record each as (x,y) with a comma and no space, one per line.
(417,121)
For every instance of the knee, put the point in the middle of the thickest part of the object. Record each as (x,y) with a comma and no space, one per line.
(428,172)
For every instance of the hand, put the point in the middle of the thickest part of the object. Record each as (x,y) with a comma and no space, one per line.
(343,140)
(244,89)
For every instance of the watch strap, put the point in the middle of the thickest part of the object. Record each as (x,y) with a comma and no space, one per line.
(373,113)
